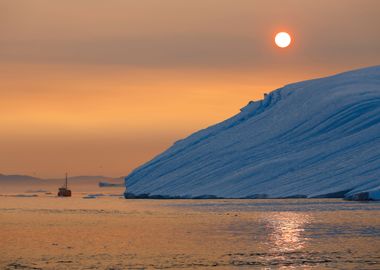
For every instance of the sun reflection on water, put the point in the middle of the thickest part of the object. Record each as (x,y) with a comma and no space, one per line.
(286,231)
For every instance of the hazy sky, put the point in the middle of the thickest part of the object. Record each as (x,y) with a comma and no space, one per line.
(101,86)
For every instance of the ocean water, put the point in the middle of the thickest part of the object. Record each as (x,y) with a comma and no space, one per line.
(46,232)
(315,233)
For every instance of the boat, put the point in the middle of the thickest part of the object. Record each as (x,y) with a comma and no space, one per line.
(64,191)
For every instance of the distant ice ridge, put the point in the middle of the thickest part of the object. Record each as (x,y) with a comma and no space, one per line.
(315,138)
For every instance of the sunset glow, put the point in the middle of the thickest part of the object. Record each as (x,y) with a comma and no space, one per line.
(104,93)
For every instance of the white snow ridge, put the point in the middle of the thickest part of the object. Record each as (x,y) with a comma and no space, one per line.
(317,138)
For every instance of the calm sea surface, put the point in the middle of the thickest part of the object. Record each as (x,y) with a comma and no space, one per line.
(109,232)
(302,233)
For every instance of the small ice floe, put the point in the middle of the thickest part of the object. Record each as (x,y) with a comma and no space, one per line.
(92,196)
(115,195)
(37,191)
(24,195)
(89,197)
(97,195)
(106,184)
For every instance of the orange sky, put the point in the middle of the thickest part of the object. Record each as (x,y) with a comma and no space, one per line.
(99,87)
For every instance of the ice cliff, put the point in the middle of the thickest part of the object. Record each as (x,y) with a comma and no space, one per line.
(314,138)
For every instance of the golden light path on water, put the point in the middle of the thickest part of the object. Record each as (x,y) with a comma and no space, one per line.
(286,230)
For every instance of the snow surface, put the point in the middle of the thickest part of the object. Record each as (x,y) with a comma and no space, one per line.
(310,138)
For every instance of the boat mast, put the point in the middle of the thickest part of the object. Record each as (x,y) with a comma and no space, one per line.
(66,181)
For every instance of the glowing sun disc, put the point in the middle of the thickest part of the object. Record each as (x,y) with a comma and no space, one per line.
(283,39)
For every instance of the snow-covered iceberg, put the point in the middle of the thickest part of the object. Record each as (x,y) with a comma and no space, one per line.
(314,138)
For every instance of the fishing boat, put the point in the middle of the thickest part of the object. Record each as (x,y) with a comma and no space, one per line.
(64,191)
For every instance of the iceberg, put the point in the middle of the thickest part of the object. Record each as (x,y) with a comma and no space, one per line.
(316,138)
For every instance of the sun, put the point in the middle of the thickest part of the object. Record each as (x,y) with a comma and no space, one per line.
(282,39)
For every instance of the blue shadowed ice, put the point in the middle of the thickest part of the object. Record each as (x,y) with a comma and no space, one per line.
(310,138)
